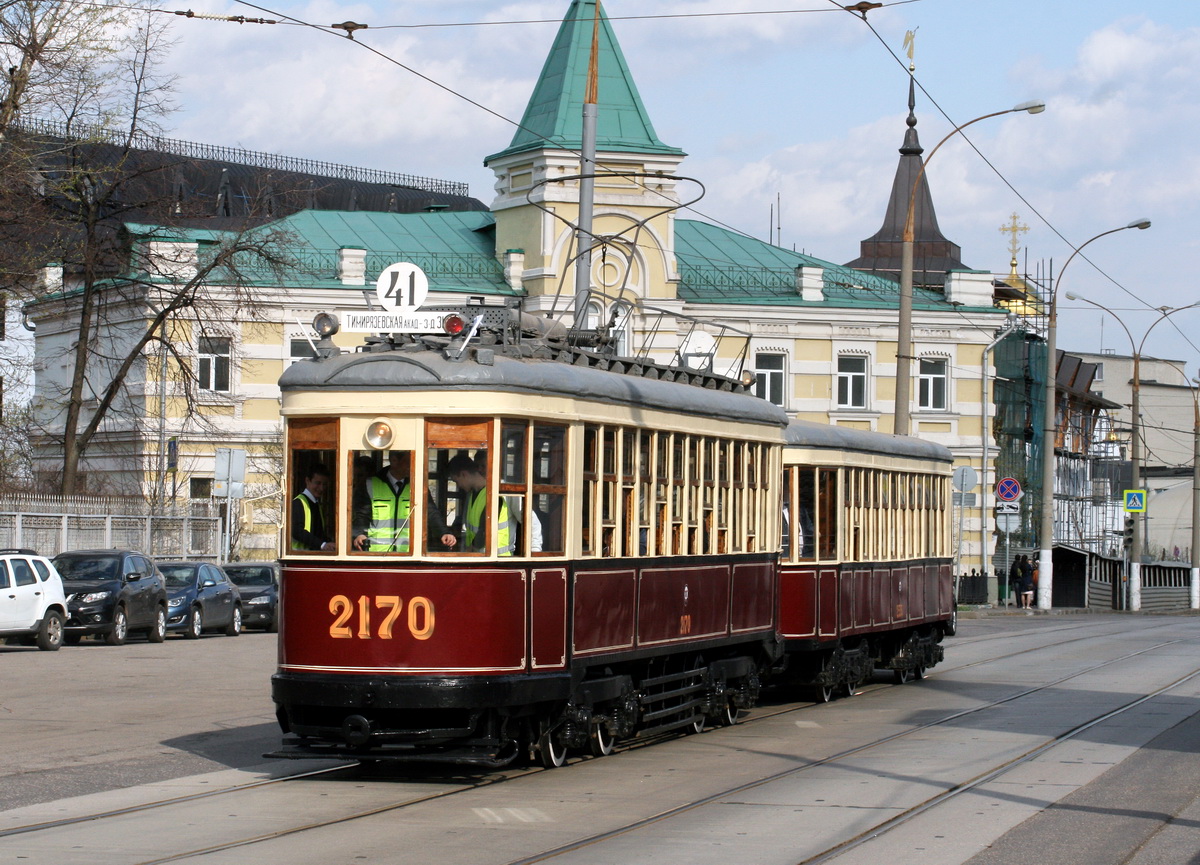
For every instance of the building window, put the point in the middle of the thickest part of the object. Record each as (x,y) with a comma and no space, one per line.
(851,381)
(932,385)
(212,365)
(200,488)
(1099,372)
(768,376)
(302,349)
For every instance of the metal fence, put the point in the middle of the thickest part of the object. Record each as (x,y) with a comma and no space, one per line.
(51,525)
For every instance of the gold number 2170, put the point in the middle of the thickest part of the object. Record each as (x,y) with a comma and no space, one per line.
(420,617)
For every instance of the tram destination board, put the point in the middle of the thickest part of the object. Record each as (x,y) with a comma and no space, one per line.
(392,322)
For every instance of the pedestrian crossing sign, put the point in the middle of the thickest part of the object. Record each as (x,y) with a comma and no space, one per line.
(1135,501)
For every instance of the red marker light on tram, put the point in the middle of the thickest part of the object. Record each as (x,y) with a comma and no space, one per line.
(454,325)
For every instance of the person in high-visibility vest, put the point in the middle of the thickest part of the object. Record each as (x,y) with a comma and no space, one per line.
(466,473)
(308,519)
(383,523)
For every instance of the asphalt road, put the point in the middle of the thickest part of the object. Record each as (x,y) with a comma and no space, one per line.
(1053,739)
(93,717)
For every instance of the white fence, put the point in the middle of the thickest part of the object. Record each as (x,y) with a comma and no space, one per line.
(51,525)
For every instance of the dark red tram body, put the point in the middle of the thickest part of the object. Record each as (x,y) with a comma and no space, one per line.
(867,582)
(644,590)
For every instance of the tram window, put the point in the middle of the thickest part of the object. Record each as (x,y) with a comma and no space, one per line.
(828,528)
(806,498)
(311,516)
(465,525)
(590,532)
(382,505)
(549,484)
(512,453)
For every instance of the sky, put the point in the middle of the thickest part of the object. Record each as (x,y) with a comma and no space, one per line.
(804,106)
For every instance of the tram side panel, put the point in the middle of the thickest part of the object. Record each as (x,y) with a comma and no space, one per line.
(408,621)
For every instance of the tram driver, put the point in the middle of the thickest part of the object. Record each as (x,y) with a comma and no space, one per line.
(383,511)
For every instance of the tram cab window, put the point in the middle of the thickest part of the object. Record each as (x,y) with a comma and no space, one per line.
(312,522)
(383,508)
(459,481)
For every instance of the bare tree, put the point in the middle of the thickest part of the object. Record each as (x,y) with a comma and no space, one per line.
(84,96)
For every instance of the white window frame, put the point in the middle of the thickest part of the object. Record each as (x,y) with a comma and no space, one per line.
(849,378)
(927,384)
(208,378)
(770,379)
(292,357)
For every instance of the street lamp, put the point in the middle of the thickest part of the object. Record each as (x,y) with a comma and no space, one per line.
(1050,430)
(903,413)
(1135,445)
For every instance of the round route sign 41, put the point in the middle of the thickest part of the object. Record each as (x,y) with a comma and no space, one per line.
(402,287)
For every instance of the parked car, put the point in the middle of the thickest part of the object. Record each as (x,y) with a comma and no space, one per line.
(200,598)
(33,605)
(112,593)
(258,583)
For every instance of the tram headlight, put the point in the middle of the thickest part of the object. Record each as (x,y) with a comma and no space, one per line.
(454,324)
(326,324)
(379,434)
(748,379)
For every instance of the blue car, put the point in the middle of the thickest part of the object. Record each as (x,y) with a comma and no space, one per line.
(258,583)
(201,598)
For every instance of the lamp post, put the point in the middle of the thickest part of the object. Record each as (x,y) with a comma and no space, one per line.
(1050,430)
(1135,445)
(903,412)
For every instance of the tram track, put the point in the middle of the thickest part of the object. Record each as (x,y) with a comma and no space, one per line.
(867,746)
(250,840)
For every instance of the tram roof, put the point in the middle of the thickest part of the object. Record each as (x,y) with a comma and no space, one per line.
(423,370)
(810,434)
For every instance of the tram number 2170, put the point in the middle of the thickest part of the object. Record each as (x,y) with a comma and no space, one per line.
(354,618)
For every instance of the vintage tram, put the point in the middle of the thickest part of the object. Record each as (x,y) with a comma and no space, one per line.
(616,575)
(865,578)
(535,547)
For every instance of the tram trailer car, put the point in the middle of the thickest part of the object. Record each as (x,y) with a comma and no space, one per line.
(616,577)
(865,576)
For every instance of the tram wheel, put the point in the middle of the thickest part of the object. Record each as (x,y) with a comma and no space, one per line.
(552,751)
(919,672)
(902,677)
(851,688)
(729,716)
(600,739)
(824,693)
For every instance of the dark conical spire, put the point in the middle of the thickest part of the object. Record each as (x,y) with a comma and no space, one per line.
(933,254)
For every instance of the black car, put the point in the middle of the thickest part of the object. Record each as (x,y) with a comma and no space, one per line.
(200,598)
(259,584)
(111,593)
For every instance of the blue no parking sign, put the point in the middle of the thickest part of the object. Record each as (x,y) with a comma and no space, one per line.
(1008,490)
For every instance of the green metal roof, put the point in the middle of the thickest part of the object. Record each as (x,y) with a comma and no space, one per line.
(717,265)
(554,116)
(457,251)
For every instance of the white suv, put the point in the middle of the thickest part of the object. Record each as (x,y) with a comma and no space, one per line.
(33,607)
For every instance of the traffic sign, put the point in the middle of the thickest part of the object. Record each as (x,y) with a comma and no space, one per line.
(1008,523)
(1135,501)
(965,479)
(1008,490)
(1008,508)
